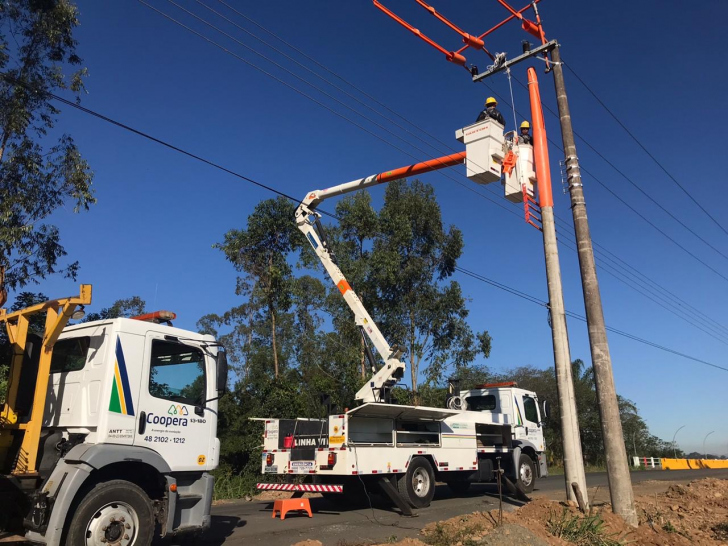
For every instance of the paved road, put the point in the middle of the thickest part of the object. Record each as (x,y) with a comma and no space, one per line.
(249,523)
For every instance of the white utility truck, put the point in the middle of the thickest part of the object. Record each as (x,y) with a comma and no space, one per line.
(406,449)
(109,429)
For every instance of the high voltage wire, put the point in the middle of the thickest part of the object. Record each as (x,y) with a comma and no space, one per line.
(210,163)
(469,188)
(691,310)
(345,105)
(654,288)
(537,301)
(649,292)
(633,183)
(304,94)
(616,196)
(280,39)
(639,143)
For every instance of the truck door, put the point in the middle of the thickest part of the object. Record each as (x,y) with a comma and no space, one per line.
(174,383)
(531,419)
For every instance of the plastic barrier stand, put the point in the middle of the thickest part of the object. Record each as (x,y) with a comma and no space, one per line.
(485,151)
(693,464)
(522,173)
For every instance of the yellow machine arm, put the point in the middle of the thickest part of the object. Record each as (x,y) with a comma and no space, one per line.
(57,314)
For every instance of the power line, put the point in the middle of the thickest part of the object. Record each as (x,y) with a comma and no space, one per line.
(469,188)
(698,315)
(152,138)
(210,163)
(537,301)
(634,184)
(639,143)
(652,286)
(616,196)
(650,293)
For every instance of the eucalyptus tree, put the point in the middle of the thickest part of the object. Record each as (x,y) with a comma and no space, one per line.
(39,172)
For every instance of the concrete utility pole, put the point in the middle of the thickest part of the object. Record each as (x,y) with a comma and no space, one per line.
(620,484)
(573,458)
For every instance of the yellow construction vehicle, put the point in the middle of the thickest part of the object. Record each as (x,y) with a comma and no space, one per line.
(109,428)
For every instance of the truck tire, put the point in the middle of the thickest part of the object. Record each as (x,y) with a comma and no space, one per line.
(417,485)
(113,512)
(526,474)
(459,488)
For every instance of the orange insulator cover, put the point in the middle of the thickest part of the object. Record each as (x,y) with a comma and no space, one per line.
(540,143)
(531,28)
(509,161)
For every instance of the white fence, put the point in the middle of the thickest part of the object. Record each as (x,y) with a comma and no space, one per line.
(647,462)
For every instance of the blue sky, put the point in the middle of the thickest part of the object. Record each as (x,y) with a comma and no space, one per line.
(656,64)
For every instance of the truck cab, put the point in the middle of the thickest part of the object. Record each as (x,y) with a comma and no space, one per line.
(128,435)
(506,403)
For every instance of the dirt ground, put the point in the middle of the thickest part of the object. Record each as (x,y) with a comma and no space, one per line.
(694,514)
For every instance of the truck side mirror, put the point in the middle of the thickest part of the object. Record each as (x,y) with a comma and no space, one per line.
(222,372)
(546,410)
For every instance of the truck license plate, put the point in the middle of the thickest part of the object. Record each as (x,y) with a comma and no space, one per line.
(273,468)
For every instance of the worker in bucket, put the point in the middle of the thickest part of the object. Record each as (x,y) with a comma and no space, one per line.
(525,136)
(491,112)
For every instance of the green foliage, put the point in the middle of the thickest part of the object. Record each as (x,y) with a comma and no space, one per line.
(398,260)
(124,308)
(463,535)
(37,56)
(291,339)
(581,530)
(36,326)
(720,531)
(636,432)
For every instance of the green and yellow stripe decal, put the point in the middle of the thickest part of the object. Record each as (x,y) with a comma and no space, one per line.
(121,399)
(518,411)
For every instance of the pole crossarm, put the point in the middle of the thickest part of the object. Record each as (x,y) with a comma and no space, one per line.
(505,65)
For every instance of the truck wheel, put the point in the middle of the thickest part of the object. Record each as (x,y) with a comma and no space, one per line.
(459,488)
(526,473)
(417,485)
(115,512)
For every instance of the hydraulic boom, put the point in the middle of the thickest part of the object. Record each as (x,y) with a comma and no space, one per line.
(308,221)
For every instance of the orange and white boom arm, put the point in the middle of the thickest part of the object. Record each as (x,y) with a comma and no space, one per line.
(307,220)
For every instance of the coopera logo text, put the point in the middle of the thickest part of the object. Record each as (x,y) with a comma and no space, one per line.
(177,409)
(166,421)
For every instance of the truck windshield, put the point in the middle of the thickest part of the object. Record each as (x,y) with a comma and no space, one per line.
(481,403)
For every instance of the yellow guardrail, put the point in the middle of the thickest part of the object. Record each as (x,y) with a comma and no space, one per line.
(692,464)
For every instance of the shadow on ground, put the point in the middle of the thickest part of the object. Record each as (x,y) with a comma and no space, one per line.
(221,528)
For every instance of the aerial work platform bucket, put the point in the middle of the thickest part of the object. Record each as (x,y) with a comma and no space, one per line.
(485,151)
(522,174)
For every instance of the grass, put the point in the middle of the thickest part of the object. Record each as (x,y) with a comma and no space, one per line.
(721,531)
(580,530)
(442,536)
(233,486)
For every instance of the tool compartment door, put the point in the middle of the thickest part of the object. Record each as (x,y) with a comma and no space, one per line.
(175,381)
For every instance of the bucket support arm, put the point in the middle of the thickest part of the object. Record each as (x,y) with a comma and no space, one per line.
(308,221)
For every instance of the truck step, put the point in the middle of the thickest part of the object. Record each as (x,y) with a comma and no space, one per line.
(189,498)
